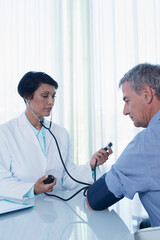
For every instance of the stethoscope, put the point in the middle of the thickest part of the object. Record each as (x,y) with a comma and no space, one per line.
(61,158)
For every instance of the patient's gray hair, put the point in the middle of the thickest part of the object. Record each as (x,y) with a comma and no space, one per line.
(143,74)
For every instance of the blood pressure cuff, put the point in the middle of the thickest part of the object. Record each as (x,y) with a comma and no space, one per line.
(99,197)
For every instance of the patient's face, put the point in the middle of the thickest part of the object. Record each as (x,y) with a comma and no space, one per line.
(135,106)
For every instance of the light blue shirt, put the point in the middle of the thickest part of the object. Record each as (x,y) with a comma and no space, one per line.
(138,170)
(40,134)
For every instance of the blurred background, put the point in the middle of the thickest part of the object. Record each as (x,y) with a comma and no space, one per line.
(86,46)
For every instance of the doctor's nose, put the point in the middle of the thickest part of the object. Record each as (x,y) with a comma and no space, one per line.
(51,100)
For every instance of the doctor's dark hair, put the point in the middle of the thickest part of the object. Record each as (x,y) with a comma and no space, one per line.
(31,81)
(143,74)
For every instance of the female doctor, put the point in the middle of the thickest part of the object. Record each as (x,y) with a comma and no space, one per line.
(28,152)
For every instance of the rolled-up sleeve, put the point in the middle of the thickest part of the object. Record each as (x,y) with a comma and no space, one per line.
(131,172)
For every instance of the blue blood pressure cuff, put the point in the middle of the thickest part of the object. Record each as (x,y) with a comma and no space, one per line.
(99,197)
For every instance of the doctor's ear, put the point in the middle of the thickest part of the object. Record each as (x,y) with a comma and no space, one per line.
(26,100)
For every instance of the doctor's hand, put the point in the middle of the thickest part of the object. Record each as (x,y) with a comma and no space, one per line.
(40,187)
(101,156)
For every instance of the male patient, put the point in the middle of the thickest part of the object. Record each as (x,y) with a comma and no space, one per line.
(137,170)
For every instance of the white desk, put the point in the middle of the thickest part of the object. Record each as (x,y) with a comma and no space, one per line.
(53,219)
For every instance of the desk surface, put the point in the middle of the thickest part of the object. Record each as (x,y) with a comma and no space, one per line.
(52,218)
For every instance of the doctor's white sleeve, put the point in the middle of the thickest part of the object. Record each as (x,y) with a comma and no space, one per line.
(10,186)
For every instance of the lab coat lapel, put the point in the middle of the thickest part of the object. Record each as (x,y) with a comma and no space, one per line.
(31,138)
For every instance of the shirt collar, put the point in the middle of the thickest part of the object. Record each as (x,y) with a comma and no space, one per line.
(36,131)
(155,118)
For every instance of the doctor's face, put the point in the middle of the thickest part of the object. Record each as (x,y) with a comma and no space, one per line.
(43,100)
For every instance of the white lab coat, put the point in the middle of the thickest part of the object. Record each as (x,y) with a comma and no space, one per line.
(22,161)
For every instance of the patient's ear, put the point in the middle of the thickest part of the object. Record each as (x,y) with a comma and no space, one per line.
(148,93)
